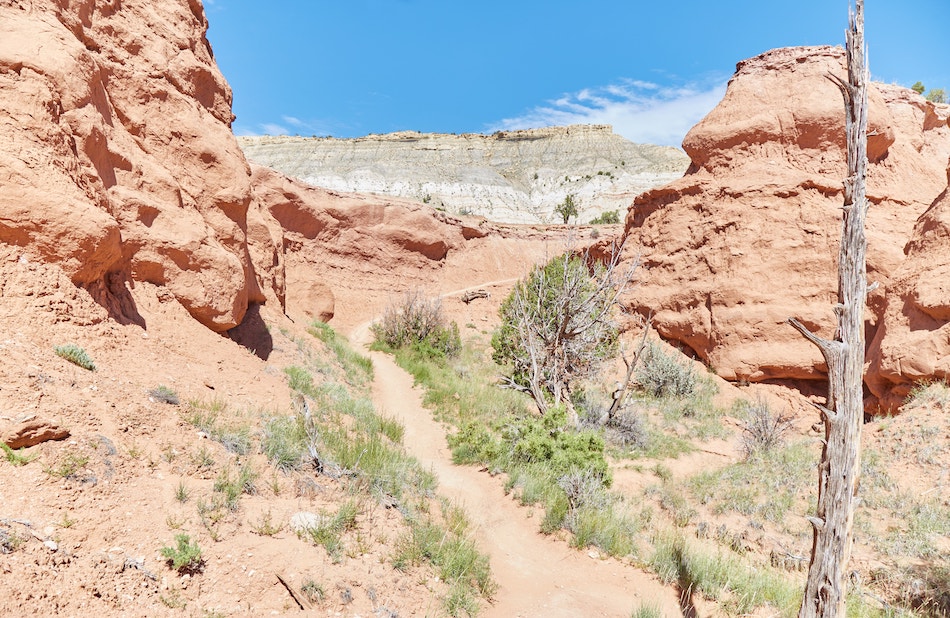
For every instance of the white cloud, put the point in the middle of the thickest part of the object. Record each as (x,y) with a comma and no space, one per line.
(270,128)
(641,111)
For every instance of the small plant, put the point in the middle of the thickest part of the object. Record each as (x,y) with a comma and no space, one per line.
(313,591)
(67,522)
(660,374)
(609,217)
(181,492)
(265,526)
(185,557)
(763,430)
(72,463)
(163,394)
(231,488)
(16,457)
(76,355)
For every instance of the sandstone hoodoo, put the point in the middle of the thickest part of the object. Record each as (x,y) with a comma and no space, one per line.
(748,237)
(509,176)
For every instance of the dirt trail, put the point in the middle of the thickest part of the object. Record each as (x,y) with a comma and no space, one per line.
(538,576)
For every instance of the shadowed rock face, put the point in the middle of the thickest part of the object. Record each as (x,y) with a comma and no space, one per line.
(749,236)
(510,176)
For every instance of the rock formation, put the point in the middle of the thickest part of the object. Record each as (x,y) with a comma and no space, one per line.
(116,155)
(913,343)
(749,236)
(510,176)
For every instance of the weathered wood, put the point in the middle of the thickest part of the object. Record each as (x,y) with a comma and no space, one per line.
(825,588)
(471,295)
(303,603)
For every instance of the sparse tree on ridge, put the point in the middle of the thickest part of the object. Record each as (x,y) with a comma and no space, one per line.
(567,208)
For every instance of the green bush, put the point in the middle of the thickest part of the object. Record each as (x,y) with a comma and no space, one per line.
(609,217)
(76,355)
(185,557)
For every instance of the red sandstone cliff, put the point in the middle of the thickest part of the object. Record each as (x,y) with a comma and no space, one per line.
(749,236)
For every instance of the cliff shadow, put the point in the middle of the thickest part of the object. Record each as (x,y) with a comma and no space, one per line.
(252,333)
(113,292)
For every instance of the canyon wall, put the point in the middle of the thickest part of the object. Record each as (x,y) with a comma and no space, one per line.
(510,176)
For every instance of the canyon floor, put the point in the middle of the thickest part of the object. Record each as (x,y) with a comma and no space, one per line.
(83,521)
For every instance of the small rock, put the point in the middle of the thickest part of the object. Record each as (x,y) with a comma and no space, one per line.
(303,521)
(33,432)
(51,545)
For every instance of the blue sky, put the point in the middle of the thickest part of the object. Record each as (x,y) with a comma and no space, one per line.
(348,68)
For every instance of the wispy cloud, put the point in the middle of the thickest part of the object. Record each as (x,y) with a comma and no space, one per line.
(641,111)
(288,125)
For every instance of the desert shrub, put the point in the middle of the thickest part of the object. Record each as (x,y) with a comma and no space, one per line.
(76,355)
(418,322)
(163,394)
(557,327)
(609,217)
(762,429)
(660,374)
(185,556)
(547,440)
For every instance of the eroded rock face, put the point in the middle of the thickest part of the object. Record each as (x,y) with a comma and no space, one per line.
(749,236)
(510,176)
(116,154)
(913,345)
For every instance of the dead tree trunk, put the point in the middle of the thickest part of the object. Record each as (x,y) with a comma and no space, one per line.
(825,589)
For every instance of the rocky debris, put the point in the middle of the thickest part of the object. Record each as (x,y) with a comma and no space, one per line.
(510,176)
(749,236)
(32,432)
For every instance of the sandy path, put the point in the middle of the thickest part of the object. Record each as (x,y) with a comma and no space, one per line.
(537,576)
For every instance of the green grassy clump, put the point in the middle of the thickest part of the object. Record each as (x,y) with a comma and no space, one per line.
(764,487)
(16,457)
(185,556)
(76,355)
(451,551)
(211,417)
(232,487)
(739,587)
(357,368)
(329,534)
